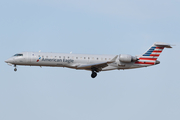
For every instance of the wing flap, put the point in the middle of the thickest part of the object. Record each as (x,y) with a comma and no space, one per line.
(104,64)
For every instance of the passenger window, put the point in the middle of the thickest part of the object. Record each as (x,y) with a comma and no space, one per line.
(88,58)
(38,55)
(84,57)
(46,56)
(105,58)
(76,57)
(109,58)
(59,56)
(42,56)
(97,58)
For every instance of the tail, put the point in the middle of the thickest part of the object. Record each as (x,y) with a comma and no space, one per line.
(151,55)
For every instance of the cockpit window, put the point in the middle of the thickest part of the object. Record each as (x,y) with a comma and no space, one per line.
(18,55)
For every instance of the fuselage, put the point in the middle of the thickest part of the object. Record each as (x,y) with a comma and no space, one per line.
(69,60)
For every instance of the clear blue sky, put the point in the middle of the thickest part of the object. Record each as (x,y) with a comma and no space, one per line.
(89,27)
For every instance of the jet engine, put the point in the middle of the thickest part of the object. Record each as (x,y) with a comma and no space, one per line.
(127,58)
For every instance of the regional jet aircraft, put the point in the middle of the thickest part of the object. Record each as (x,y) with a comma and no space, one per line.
(94,63)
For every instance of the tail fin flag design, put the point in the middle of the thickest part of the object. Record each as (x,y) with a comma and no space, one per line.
(151,55)
(154,51)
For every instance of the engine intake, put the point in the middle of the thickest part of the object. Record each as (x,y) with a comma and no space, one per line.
(127,58)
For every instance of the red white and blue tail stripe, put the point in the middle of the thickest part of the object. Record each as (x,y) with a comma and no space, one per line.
(151,55)
(154,51)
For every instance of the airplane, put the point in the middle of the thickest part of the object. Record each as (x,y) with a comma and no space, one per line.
(94,63)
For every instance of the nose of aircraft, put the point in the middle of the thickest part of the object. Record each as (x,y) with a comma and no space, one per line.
(10,60)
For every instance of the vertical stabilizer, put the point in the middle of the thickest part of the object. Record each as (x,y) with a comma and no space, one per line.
(152,54)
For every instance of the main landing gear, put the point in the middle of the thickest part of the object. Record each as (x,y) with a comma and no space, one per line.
(94,74)
(15,69)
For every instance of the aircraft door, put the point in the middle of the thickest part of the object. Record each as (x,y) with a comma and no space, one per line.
(33,58)
(28,57)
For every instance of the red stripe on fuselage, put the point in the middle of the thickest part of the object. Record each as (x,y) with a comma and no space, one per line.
(149,63)
(148,59)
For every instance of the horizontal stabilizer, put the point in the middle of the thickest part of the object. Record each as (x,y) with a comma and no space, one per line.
(159,44)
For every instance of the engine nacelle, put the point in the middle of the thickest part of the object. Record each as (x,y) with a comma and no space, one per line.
(127,58)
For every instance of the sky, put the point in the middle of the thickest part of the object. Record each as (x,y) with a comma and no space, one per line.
(89,27)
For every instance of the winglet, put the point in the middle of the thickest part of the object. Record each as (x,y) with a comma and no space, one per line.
(113,60)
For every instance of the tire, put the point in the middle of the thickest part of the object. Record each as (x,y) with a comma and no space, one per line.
(94,74)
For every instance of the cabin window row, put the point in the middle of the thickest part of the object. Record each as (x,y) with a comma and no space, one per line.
(63,57)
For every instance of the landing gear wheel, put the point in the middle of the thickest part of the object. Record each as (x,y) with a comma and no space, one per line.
(15,69)
(94,74)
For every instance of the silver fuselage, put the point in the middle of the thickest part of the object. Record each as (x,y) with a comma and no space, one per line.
(69,60)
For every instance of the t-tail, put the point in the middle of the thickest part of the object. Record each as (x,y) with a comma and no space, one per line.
(151,55)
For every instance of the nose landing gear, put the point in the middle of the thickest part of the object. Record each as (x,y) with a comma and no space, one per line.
(15,69)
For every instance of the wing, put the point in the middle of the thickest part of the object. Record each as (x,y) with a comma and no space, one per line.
(97,66)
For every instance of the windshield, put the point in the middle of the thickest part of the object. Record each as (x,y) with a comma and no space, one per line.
(18,55)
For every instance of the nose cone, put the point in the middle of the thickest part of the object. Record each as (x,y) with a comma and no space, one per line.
(10,60)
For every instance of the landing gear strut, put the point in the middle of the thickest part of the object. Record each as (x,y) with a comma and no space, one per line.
(94,74)
(15,69)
